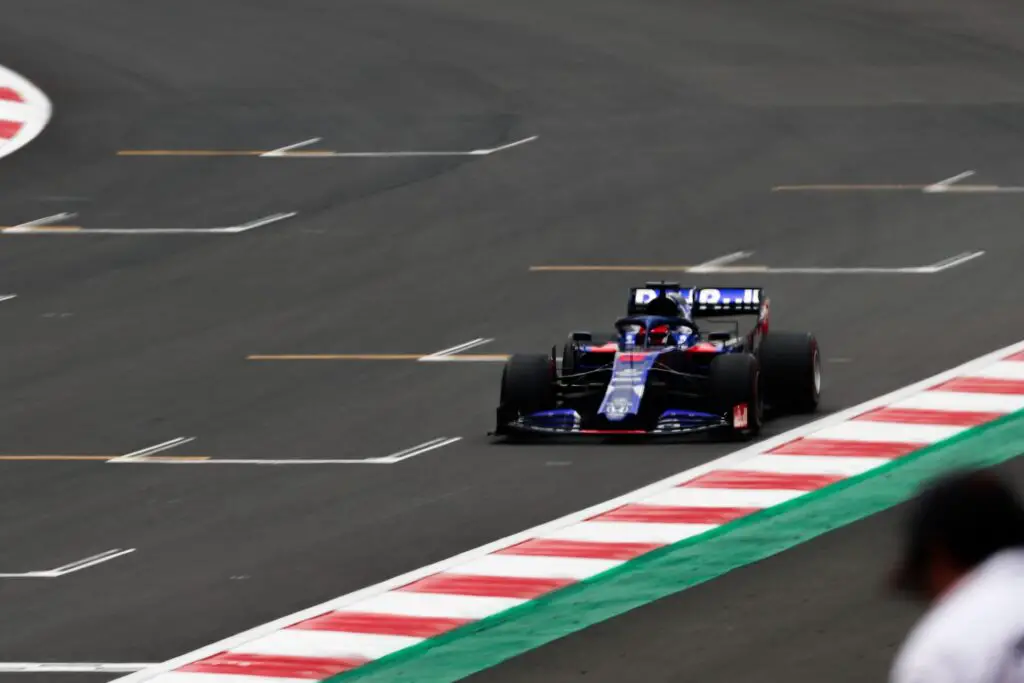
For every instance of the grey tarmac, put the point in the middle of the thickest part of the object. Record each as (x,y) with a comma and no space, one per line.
(662,129)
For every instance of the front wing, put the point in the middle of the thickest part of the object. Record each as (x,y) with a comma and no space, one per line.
(566,421)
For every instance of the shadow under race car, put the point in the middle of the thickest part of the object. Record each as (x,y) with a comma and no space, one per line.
(678,363)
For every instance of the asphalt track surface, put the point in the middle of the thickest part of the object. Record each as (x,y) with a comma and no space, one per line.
(663,129)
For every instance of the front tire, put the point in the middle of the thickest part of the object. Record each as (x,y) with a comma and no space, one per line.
(735,387)
(527,386)
(792,371)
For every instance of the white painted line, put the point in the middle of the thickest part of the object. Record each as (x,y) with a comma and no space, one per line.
(847,466)
(145,456)
(627,532)
(962,401)
(714,264)
(983,189)
(189,677)
(373,155)
(151,450)
(285,153)
(944,185)
(251,461)
(259,222)
(502,148)
(687,496)
(431,605)
(78,565)
(7,297)
(72,667)
(892,432)
(945,264)
(953,261)
(122,231)
(303,643)
(527,566)
(281,151)
(475,358)
(91,561)
(45,220)
(38,227)
(418,450)
(459,348)
(1010,369)
(737,460)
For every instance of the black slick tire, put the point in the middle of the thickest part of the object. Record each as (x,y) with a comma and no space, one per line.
(791,363)
(527,386)
(735,380)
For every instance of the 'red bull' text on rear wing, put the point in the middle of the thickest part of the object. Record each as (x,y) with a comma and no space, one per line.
(704,302)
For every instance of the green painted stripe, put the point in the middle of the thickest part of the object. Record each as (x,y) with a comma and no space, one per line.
(674,568)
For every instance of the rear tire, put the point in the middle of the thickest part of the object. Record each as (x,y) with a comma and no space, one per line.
(792,371)
(735,380)
(527,386)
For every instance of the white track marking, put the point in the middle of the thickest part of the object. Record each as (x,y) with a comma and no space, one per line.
(260,222)
(1010,369)
(474,358)
(45,220)
(962,401)
(944,185)
(431,445)
(717,266)
(953,261)
(302,643)
(71,667)
(714,264)
(430,605)
(627,532)
(894,432)
(725,498)
(78,565)
(39,227)
(526,566)
(152,450)
(92,561)
(186,677)
(983,189)
(502,148)
(459,348)
(738,460)
(945,264)
(252,461)
(281,151)
(145,456)
(847,466)
(7,297)
(399,153)
(373,155)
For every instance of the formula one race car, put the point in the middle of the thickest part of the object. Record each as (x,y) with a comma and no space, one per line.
(678,363)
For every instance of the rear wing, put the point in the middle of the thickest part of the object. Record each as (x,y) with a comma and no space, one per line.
(705,302)
(715,302)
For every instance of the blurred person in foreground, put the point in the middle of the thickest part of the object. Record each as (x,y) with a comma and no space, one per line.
(964,557)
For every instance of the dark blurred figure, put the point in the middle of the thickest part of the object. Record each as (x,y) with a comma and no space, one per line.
(964,557)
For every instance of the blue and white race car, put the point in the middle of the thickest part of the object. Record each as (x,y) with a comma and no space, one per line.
(678,363)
